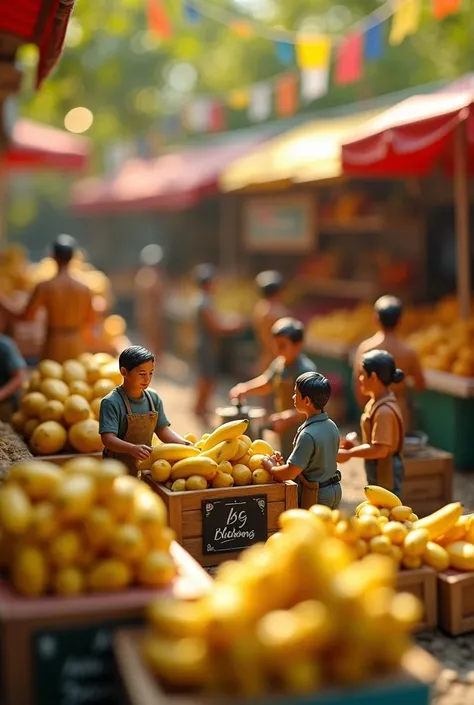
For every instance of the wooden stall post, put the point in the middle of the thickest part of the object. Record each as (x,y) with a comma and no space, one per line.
(461,199)
(228,254)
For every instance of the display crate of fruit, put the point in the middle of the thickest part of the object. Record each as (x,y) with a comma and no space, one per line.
(456,602)
(428,479)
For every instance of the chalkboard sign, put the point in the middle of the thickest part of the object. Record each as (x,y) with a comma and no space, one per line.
(76,665)
(283,224)
(233,523)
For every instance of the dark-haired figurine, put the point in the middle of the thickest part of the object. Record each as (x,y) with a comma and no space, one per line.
(313,460)
(130,414)
(68,305)
(389,310)
(280,378)
(381,423)
(268,310)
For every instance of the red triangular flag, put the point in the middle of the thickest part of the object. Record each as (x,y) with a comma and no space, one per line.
(349,59)
(216,117)
(443,8)
(158,21)
(286,95)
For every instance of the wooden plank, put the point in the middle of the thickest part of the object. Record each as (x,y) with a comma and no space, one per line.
(422,583)
(192,521)
(192,500)
(63,458)
(456,602)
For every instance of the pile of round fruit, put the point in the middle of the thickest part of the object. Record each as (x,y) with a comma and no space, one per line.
(442,540)
(223,458)
(59,409)
(294,615)
(87,526)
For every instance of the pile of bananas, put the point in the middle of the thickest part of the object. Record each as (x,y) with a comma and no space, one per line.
(223,458)
(442,540)
(85,527)
(292,616)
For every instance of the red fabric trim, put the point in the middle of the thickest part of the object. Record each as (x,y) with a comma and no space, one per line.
(19,17)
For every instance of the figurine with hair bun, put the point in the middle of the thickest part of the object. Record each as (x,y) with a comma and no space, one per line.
(382,425)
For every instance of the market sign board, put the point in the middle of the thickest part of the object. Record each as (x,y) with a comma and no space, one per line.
(283,224)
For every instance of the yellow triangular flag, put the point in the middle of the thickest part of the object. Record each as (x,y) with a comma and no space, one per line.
(313,52)
(406,20)
(238,99)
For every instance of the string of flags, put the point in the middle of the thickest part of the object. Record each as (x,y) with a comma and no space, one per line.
(306,57)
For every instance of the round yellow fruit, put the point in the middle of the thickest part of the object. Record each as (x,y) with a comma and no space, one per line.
(161,470)
(49,438)
(196,482)
(191,438)
(76,409)
(55,389)
(361,548)
(401,513)
(368,527)
(38,479)
(369,510)
(262,448)
(380,544)
(103,358)
(49,369)
(86,358)
(44,522)
(157,569)
(222,479)
(382,521)
(34,383)
(30,426)
(69,581)
(246,439)
(81,388)
(82,466)
(322,512)
(64,550)
(178,485)
(111,371)
(128,543)
(103,387)
(18,421)
(411,562)
(396,532)
(32,403)
(415,542)
(99,527)
(110,574)
(255,462)
(95,407)
(52,411)
(84,436)
(436,557)
(242,475)
(73,370)
(92,373)
(29,572)
(226,466)
(261,477)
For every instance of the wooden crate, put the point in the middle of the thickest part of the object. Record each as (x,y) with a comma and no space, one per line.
(456,602)
(185,513)
(422,582)
(59,650)
(64,457)
(411,685)
(428,482)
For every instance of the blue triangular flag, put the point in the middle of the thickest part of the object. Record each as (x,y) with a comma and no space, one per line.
(374,42)
(285,52)
(190,12)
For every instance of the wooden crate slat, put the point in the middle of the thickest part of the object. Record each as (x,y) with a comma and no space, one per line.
(192,521)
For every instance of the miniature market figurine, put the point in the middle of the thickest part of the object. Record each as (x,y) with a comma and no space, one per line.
(313,460)
(382,426)
(388,310)
(210,329)
(268,310)
(130,414)
(149,299)
(280,378)
(12,376)
(68,306)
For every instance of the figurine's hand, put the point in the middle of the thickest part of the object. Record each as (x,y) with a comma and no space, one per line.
(238,392)
(141,452)
(277,423)
(269,463)
(343,456)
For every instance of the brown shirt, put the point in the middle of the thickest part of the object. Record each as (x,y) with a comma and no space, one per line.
(381,423)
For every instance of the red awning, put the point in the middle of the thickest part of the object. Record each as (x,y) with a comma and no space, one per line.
(414,136)
(36,146)
(172,182)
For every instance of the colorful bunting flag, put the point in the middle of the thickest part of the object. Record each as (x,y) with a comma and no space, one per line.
(349,59)
(314,83)
(197,115)
(374,42)
(406,20)
(242,29)
(443,8)
(260,105)
(313,52)
(285,53)
(191,14)
(216,117)
(238,99)
(286,95)
(158,21)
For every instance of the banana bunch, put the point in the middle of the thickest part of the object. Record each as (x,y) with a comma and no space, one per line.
(224,458)
(276,620)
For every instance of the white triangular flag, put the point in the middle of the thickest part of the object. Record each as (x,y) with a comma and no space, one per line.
(260,104)
(198,115)
(314,83)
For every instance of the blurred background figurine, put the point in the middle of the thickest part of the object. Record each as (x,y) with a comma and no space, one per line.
(389,310)
(149,299)
(268,310)
(67,303)
(12,376)
(210,328)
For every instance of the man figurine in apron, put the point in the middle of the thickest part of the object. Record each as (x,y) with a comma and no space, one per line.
(130,415)
(381,423)
(268,310)
(313,460)
(279,379)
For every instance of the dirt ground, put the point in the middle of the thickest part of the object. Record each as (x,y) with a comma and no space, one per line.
(455,685)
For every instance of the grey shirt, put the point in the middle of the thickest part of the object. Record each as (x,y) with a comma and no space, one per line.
(315,448)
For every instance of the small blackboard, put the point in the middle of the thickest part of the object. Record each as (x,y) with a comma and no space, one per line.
(233,523)
(76,665)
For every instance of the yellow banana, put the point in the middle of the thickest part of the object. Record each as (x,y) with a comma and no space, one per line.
(461,555)
(441,521)
(226,432)
(222,451)
(207,467)
(380,497)
(436,557)
(172,452)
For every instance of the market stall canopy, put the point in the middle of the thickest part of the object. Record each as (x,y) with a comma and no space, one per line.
(174,181)
(414,136)
(310,152)
(36,146)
